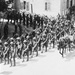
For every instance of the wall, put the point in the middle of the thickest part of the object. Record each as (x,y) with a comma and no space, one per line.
(63,6)
(39,6)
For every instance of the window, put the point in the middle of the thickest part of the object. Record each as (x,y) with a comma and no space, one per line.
(31,8)
(24,4)
(27,6)
(67,3)
(47,6)
(71,3)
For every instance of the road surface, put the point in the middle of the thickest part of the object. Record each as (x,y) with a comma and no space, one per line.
(48,63)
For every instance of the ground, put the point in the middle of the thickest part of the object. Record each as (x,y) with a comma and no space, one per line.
(48,63)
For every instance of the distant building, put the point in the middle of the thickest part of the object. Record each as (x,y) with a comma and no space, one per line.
(42,7)
(67,6)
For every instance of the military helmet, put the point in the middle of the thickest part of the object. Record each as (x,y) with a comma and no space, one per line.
(5,43)
(12,39)
(27,37)
(25,41)
(34,38)
(0,41)
(18,38)
(11,43)
(38,33)
(44,35)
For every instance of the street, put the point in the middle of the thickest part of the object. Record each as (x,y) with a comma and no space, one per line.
(48,63)
(29,27)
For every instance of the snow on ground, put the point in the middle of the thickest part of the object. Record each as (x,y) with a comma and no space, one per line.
(49,63)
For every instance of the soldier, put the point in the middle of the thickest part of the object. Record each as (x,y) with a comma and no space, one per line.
(22,38)
(16,35)
(23,19)
(35,47)
(61,47)
(46,41)
(20,29)
(34,24)
(19,47)
(6,52)
(1,51)
(16,27)
(8,16)
(19,17)
(12,53)
(27,20)
(6,31)
(30,20)
(38,20)
(42,42)
(25,50)
(38,40)
(11,39)
(53,41)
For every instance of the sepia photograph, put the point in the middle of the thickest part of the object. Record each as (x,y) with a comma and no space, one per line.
(37,37)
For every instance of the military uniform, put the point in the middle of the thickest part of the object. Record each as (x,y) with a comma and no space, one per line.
(25,50)
(6,52)
(12,53)
(35,47)
(1,51)
(19,47)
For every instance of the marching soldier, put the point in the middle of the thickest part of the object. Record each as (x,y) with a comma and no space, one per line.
(39,40)
(42,42)
(6,52)
(27,20)
(6,31)
(30,44)
(25,50)
(12,53)
(23,19)
(42,22)
(20,29)
(31,20)
(1,51)
(20,17)
(35,47)
(11,40)
(19,47)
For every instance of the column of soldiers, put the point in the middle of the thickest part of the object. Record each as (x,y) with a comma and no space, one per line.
(26,19)
(25,45)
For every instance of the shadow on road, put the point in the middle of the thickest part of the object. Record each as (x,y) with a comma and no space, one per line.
(21,65)
(33,60)
(6,73)
(42,56)
(70,56)
(51,51)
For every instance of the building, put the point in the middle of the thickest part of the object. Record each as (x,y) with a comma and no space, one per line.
(67,6)
(42,7)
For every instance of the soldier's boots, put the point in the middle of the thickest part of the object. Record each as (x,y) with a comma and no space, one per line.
(28,56)
(37,53)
